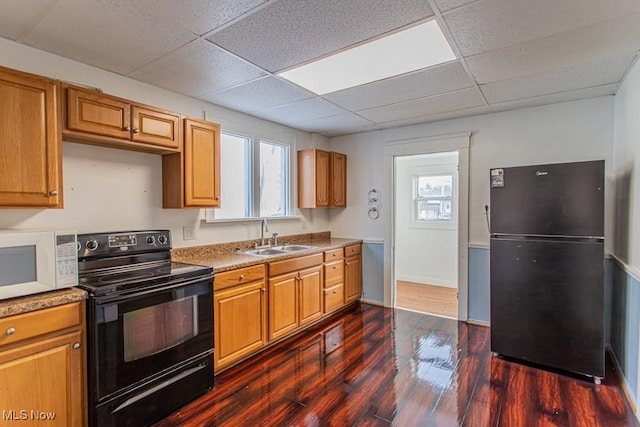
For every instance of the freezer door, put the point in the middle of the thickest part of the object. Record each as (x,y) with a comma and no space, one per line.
(547,303)
(562,199)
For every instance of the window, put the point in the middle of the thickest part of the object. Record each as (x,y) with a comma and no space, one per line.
(254,178)
(433,198)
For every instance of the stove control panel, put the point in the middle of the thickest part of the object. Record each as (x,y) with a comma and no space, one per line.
(107,244)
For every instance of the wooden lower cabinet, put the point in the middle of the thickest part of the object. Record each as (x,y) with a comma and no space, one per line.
(310,295)
(240,315)
(283,305)
(352,273)
(42,379)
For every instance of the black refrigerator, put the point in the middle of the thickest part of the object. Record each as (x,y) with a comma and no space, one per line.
(547,265)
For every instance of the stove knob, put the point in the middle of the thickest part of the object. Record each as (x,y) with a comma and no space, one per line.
(162,239)
(151,240)
(92,245)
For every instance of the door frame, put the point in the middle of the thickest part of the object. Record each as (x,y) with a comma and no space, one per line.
(428,145)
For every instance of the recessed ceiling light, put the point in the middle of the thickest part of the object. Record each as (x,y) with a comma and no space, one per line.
(412,49)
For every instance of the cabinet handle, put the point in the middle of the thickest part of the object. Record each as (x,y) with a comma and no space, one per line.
(76,346)
(334,267)
(217,198)
(136,130)
(335,292)
(11,331)
(126,128)
(53,192)
(263,290)
(241,277)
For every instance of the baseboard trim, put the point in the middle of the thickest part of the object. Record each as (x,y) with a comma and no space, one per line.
(478,323)
(625,384)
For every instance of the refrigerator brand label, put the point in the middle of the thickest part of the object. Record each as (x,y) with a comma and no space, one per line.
(541,173)
(497,178)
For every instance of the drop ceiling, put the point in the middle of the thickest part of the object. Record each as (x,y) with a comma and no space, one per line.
(509,53)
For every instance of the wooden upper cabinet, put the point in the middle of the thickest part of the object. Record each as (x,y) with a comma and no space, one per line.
(321,179)
(95,118)
(155,127)
(339,179)
(192,178)
(30,142)
(98,114)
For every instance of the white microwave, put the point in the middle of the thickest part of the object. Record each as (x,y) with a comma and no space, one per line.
(33,261)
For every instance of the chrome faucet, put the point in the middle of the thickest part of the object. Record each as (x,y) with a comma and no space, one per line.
(263,228)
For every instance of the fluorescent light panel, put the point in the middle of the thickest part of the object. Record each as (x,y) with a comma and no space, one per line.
(412,49)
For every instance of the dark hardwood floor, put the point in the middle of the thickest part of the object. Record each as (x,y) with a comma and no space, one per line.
(374,366)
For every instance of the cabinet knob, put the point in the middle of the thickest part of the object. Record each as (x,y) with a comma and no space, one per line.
(76,346)
(126,128)
(263,290)
(241,277)
(136,130)
(336,200)
(53,192)
(217,198)
(334,267)
(335,292)
(11,331)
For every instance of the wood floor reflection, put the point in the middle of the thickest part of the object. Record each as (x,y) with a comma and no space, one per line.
(374,366)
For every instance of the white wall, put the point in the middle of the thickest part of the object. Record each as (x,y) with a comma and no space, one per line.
(626,171)
(108,189)
(570,131)
(424,254)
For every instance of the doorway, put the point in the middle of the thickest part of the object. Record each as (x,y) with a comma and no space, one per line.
(457,142)
(426,233)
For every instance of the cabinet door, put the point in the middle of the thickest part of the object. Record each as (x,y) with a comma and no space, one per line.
(43,382)
(352,278)
(338,180)
(323,189)
(240,322)
(155,127)
(98,114)
(30,155)
(283,305)
(202,163)
(310,294)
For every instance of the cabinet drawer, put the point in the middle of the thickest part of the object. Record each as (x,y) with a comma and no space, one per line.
(333,255)
(281,267)
(333,298)
(333,273)
(28,325)
(352,250)
(238,277)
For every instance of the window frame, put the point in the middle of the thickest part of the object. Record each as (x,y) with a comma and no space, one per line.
(255,137)
(442,224)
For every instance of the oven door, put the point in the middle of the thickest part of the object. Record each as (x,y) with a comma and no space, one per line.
(142,335)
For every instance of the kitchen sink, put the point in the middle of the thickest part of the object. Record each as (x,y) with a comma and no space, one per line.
(277,250)
(293,248)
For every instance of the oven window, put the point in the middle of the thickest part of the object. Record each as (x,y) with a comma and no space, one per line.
(18,265)
(151,330)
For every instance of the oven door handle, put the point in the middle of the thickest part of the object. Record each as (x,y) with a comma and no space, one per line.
(158,387)
(161,288)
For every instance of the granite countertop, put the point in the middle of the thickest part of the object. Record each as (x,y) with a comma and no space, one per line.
(230,260)
(39,301)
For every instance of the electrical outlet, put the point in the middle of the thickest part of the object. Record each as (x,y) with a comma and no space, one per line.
(189,233)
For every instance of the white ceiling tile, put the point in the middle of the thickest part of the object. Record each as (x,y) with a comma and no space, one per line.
(574,95)
(337,125)
(113,35)
(290,32)
(197,69)
(588,44)
(300,111)
(563,80)
(492,24)
(199,16)
(431,81)
(259,95)
(465,112)
(444,5)
(18,16)
(451,101)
